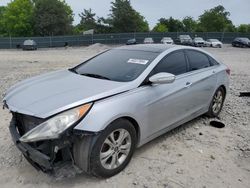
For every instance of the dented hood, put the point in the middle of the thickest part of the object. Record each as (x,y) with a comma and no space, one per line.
(46,95)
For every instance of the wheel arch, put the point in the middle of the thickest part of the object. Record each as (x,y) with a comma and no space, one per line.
(224,88)
(133,122)
(136,126)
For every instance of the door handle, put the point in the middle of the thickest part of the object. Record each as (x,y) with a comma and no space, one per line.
(188,84)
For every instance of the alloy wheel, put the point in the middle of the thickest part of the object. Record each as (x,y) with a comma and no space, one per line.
(217,102)
(115,149)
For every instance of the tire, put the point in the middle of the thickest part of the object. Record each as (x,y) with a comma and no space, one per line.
(117,156)
(219,98)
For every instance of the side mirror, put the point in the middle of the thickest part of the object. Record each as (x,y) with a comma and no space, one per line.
(162,78)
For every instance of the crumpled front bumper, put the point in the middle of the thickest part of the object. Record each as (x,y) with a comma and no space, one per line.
(35,157)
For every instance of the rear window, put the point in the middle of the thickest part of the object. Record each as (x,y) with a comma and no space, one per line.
(213,61)
(197,60)
(117,65)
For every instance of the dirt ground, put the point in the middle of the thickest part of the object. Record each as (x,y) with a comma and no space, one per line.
(193,155)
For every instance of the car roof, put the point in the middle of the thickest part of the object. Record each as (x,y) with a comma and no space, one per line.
(157,48)
(161,48)
(241,38)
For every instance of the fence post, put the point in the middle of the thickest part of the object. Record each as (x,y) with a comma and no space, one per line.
(222,36)
(10,41)
(50,41)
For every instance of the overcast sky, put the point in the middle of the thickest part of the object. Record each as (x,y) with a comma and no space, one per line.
(152,10)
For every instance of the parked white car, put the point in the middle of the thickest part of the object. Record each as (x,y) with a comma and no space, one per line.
(198,42)
(167,40)
(214,43)
(148,41)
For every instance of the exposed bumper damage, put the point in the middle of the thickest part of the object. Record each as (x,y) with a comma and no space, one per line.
(46,155)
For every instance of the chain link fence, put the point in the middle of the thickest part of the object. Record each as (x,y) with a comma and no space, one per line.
(113,38)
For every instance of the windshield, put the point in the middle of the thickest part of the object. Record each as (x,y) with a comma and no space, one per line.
(117,65)
(131,40)
(198,38)
(213,40)
(166,38)
(244,39)
(185,37)
(29,42)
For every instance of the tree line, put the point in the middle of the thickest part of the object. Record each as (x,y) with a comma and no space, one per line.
(55,17)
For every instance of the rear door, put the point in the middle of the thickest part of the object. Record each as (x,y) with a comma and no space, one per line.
(202,79)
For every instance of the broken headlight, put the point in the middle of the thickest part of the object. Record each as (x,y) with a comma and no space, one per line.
(52,128)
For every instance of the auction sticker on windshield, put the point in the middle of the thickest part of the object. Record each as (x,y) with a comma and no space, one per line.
(138,61)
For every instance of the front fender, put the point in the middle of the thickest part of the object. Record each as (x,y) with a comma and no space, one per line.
(107,110)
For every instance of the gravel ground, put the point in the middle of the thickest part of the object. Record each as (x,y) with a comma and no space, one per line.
(193,155)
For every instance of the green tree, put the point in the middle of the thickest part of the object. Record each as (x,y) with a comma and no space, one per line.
(124,18)
(2,30)
(161,28)
(215,19)
(52,17)
(189,24)
(244,28)
(103,25)
(17,18)
(172,24)
(88,20)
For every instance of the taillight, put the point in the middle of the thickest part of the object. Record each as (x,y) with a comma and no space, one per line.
(228,71)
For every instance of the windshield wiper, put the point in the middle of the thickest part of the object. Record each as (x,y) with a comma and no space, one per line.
(95,76)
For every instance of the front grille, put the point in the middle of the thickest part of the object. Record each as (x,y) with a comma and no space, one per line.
(25,122)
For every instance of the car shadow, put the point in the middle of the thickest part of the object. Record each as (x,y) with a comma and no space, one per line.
(182,128)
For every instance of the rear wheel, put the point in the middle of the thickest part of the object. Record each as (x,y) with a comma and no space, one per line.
(217,103)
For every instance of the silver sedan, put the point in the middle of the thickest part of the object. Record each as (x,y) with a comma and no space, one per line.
(95,114)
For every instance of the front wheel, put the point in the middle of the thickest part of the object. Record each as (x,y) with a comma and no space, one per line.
(217,103)
(113,149)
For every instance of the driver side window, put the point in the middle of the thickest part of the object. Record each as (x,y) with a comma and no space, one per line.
(174,63)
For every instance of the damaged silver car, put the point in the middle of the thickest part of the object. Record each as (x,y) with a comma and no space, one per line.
(95,114)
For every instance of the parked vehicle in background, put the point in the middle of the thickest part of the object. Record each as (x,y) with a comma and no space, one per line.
(148,41)
(167,40)
(241,42)
(29,45)
(131,42)
(198,42)
(94,115)
(213,43)
(184,40)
